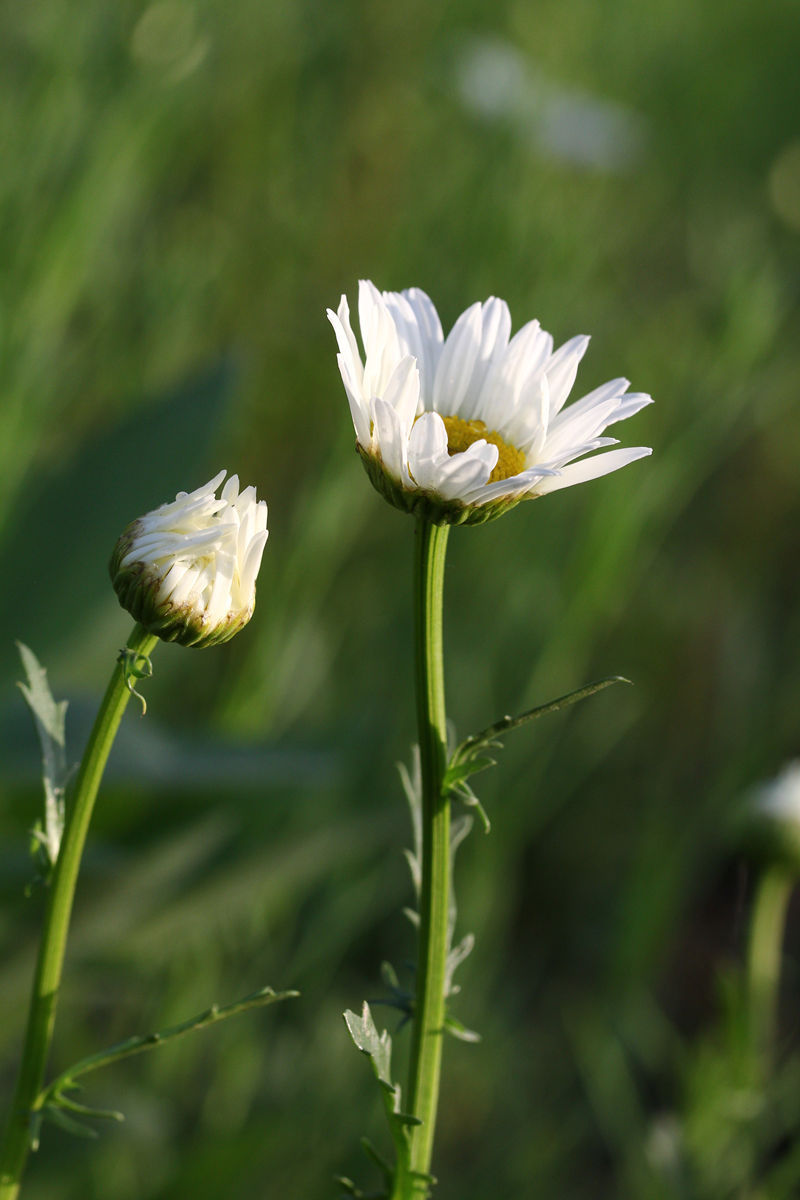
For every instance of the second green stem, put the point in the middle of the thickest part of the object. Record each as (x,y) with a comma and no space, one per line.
(434,899)
(47,979)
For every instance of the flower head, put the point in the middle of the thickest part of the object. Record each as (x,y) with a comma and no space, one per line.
(767,823)
(779,800)
(462,428)
(187,571)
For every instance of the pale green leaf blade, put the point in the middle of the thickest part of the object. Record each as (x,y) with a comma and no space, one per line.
(49,717)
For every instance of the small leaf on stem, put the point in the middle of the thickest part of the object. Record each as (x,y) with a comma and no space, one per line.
(471,757)
(49,717)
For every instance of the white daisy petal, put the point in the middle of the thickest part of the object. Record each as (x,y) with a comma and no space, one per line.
(382,349)
(230,492)
(578,428)
(416,331)
(512,373)
(427,447)
(630,405)
(591,468)
(252,561)
(519,485)
(558,461)
(457,360)
(391,440)
(529,349)
(402,392)
(466,471)
(359,411)
(428,323)
(562,369)
(527,428)
(348,348)
(369,309)
(495,331)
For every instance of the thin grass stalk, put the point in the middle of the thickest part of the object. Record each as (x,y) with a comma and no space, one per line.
(764,953)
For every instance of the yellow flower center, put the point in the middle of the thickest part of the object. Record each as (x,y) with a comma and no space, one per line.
(461,434)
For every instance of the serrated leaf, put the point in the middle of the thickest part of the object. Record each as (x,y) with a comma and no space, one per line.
(49,718)
(377,1046)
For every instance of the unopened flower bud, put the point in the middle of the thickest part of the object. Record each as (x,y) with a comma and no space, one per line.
(187,571)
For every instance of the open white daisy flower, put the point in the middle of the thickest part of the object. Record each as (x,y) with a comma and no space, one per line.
(462,428)
(187,571)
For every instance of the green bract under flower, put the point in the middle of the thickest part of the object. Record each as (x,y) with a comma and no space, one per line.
(187,571)
(459,429)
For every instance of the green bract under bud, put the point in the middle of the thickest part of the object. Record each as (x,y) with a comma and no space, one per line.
(187,571)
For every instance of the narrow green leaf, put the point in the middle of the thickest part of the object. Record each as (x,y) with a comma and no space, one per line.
(455,956)
(468,798)
(59,1100)
(54,1092)
(458,1030)
(49,718)
(470,756)
(54,1114)
(378,1159)
(389,976)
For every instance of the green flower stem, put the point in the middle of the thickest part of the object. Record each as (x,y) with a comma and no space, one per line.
(764,962)
(426,1046)
(47,978)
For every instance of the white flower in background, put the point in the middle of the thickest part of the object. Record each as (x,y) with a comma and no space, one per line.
(780,798)
(768,820)
(463,428)
(187,571)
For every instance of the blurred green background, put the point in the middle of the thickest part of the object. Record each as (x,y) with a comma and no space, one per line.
(185,187)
